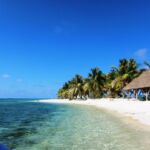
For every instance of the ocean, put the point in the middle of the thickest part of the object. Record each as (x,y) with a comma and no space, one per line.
(29,125)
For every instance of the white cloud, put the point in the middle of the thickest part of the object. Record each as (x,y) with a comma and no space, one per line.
(141,53)
(6,76)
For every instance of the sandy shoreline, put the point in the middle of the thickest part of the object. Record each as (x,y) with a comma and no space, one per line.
(138,110)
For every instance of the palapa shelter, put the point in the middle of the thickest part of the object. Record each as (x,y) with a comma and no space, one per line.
(140,84)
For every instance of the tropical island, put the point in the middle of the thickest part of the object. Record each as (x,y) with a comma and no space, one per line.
(125,89)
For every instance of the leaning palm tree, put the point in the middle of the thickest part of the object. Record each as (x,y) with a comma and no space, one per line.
(121,76)
(76,87)
(94,83)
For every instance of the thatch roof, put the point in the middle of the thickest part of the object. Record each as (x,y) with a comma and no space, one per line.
(141,82)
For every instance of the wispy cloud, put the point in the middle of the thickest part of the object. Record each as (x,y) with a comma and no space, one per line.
(6,76)
(141,53)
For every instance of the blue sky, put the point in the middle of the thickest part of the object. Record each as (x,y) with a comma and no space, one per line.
(43,43)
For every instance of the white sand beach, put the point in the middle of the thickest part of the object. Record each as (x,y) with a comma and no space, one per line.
(139,110)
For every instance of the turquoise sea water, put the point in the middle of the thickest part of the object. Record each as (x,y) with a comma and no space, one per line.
(26,125)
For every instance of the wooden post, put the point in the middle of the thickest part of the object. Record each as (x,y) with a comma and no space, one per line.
(147,91)
(146,95)
(134,93)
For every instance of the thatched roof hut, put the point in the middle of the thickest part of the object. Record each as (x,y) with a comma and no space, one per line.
(141,82)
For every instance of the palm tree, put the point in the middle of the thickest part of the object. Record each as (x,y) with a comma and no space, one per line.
(72,89)
(121,76)
(110,87)
(76,87)
(94,83)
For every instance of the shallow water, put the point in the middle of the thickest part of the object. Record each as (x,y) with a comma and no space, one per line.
(36,126)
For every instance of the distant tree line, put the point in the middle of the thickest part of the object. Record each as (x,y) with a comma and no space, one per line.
(97,84)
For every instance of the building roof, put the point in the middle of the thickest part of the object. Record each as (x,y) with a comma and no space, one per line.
(141,82)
